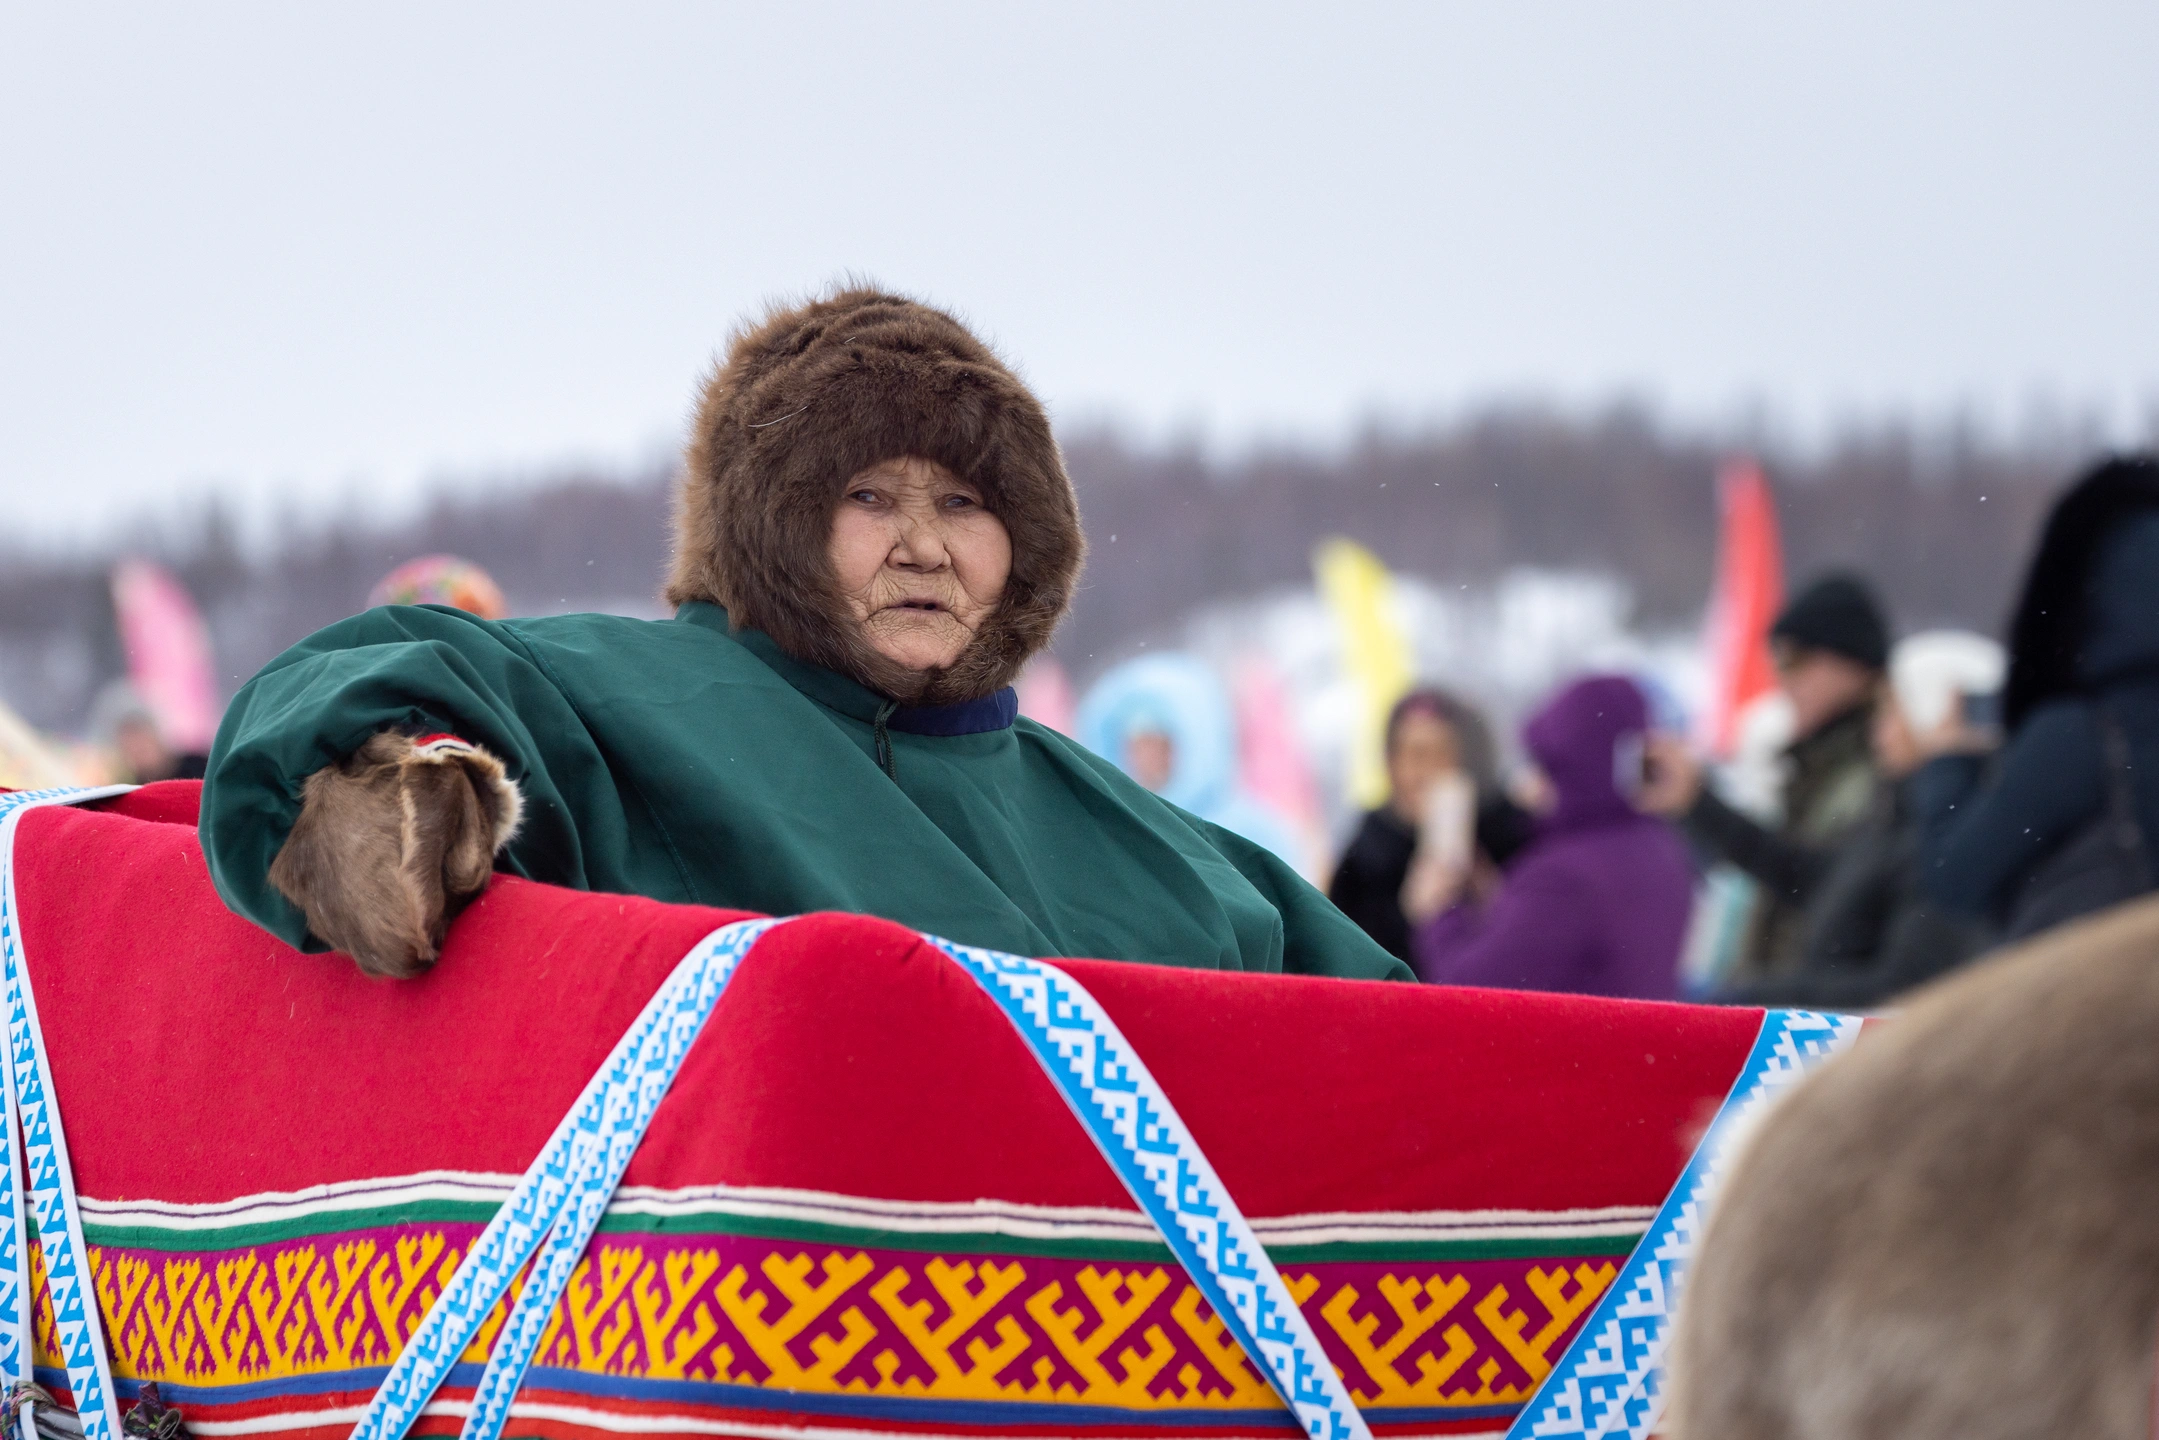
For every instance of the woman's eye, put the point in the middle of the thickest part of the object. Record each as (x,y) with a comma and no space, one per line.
(867,497)
(958,502)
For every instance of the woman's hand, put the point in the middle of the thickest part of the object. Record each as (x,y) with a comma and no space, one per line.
(1431,885)
(1671,777)
(392,843)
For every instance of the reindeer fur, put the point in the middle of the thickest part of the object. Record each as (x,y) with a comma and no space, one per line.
(1952,1230)
(391,844)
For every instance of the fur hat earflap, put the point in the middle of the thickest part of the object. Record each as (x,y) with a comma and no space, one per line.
(812,396)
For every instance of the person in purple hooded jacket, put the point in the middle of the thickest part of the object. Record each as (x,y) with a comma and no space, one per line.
(1598,902)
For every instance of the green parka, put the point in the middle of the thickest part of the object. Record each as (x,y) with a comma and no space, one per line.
(680,760)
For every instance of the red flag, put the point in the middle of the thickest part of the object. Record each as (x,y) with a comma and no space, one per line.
(1749,590)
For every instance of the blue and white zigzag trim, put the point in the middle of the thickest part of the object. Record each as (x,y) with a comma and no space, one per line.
(560,1200)
(561,1197)
(1138,1131)
(1609,1383)
(1611,1380)
(50,1179)
(1094,1068)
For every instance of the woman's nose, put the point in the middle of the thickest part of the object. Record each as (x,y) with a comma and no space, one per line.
(918,545)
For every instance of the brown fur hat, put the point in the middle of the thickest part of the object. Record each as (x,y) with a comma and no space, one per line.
(812,396)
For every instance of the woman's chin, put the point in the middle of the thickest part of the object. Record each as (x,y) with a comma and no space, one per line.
(919,653)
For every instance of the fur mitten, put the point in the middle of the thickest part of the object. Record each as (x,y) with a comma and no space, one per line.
(392,843)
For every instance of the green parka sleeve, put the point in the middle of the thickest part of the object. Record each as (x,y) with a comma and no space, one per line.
(1317,938)
(422,669)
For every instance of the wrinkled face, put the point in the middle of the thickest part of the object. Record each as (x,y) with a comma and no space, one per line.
(920,561)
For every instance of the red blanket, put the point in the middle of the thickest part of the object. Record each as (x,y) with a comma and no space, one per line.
(863,1209)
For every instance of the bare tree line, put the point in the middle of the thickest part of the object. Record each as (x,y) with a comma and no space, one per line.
(1942,522)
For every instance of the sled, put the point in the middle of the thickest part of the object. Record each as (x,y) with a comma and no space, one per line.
(894,1188)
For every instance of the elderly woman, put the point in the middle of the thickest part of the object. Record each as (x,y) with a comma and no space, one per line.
(875,532)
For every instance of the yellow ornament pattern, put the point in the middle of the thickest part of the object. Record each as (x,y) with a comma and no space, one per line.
(839,1320)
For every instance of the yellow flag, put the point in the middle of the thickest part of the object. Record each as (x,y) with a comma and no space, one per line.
(1358,589)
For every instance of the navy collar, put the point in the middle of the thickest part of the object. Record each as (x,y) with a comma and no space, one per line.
(835,691)
(967,717)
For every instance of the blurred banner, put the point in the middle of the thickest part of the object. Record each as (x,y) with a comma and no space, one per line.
(1271,759)
(1743,602)
(168,653)
(1359,593)
(1045,694)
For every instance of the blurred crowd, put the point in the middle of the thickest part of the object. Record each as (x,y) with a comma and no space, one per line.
(1932,797)
(1890,808)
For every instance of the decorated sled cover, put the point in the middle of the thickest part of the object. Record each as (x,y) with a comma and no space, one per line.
(875,1199)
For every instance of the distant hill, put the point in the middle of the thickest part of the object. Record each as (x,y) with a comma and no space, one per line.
(1943,525)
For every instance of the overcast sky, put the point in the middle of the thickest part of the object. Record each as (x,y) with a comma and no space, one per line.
(308,251)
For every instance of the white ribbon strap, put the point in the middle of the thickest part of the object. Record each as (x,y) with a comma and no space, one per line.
(31,1106)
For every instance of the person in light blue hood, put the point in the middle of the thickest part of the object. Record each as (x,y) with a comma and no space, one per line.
(2069,820)
(1166,721)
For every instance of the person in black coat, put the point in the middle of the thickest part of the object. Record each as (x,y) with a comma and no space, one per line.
(1831,645)
(1871,931)
(2066,821)
(1429,733)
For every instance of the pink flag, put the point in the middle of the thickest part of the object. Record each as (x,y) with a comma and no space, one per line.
(1743,604)
(168,653)
(1270,761)
(1045,694)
